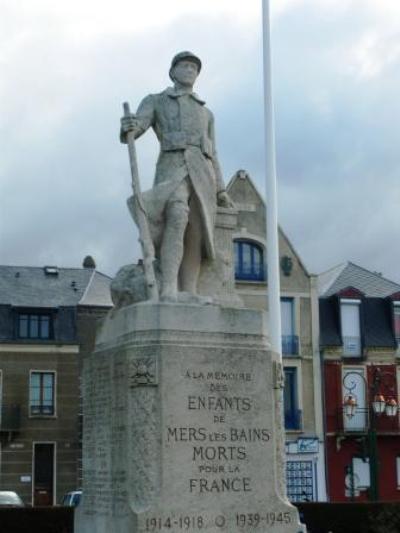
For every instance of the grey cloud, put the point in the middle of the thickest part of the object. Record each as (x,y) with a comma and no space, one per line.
(339,167)
(65,177)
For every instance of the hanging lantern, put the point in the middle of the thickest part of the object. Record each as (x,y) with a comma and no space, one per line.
(391,407)
(350,405)
(379,404)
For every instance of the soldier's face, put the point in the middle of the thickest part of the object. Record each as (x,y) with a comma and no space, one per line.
(185,72)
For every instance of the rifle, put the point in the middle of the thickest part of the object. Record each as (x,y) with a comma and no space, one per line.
(145,239)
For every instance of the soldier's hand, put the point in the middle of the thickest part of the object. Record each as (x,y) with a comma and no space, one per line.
(129,123)
(223,200)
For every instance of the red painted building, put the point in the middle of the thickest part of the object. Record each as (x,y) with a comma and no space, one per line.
(359,337)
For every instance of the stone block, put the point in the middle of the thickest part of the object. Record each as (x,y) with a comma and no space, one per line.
(182,427)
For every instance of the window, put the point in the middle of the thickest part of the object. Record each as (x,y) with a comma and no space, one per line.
(396,311)
(361,473)
(350,320)
(290,400)
(249,261)
(353,383)
(290,342)
(41,393)
(34,326)
(357,477)
(299,481)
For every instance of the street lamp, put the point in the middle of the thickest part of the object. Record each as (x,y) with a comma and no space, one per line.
(350,405)
(381,401)
(391,408)
(379,404)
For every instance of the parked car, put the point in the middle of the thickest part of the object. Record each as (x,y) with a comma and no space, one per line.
(10,499)
(72,499)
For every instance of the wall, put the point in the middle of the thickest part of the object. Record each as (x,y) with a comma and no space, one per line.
(251,225)
(16,454)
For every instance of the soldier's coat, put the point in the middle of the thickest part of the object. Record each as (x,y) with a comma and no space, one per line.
(185,130)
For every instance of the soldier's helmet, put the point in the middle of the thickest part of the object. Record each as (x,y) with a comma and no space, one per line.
(180,57)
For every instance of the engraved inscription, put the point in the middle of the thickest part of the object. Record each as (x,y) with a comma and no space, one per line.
(105,476)
(220,450)
(248,520)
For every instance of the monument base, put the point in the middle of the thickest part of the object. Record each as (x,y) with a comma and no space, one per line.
(181,431)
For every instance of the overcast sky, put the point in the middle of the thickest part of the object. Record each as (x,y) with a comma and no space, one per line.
(66,67)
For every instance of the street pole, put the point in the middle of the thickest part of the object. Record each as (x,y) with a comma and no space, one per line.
(373,458)
(376,406)
(273,281)
(274,306)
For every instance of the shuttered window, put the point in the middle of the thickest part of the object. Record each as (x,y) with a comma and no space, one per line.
(350,321)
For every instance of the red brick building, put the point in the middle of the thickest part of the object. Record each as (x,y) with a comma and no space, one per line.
(359,338)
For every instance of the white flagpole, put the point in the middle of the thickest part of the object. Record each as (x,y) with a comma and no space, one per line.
(274,306)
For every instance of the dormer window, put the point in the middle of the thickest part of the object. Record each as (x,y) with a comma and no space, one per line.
(51,270)
(249,261)
(34,326)
(350,322)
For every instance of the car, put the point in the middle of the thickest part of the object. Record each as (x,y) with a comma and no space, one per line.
(9,498)
(72,498)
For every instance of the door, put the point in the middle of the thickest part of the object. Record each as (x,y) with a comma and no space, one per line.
(43,474)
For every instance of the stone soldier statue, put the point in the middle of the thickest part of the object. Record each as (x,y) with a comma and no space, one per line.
(188,184)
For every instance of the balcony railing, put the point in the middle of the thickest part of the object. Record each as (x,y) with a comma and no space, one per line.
(290,345)
(10,418)
(293,419)
(362,421)
(352,347)
(358,423)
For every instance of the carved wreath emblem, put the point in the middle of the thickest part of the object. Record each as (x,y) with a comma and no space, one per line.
(143,372)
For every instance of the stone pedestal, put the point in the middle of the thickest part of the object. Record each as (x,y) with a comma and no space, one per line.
(217,278)
(181,431)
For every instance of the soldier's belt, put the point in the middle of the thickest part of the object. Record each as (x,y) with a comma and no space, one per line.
(177,140)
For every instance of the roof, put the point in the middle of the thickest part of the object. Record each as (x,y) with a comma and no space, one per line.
(243,175)
(375,321)
(25,286)
(329,323)
(97,292)
(347,274)
(378,327)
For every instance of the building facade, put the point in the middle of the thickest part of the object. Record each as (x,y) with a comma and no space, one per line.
(360,332)
(47,323)
(299,313)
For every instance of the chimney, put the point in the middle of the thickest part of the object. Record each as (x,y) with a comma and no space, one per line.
(88,262)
